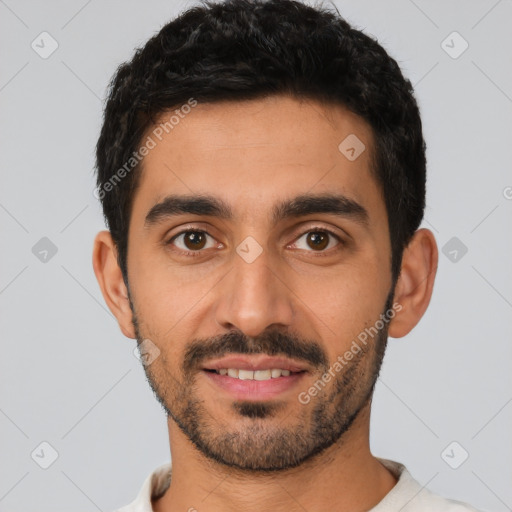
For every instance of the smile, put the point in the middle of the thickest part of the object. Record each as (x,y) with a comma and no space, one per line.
(241,374)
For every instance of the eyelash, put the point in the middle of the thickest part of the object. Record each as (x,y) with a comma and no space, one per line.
(316,229)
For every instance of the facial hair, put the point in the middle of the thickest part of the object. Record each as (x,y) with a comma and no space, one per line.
(259,442)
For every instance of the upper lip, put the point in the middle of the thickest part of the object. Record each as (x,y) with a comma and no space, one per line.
(260,362)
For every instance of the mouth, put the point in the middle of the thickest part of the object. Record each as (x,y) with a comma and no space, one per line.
(254,378)
(259,375)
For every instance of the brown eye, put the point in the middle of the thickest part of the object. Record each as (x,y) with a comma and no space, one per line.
(317,240)
(192,241)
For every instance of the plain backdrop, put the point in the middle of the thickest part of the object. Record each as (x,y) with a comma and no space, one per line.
(69,378)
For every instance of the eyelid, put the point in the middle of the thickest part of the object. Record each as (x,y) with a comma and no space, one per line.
(319,225)
(201,227)
(322,229)
(183,231)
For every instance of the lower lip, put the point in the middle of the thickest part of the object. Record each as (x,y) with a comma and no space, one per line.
(254,389)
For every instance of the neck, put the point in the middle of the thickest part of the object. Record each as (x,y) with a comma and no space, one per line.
(346,476)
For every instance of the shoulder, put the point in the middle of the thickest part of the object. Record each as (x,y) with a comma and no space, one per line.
(408,495)
(427,501)
(153,487)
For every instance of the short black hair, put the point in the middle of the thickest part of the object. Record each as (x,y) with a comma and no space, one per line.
(248,49)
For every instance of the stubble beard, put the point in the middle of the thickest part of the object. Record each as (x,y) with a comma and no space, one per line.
(260,441)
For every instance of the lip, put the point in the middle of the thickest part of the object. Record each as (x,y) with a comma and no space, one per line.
(253,389)
(261,362)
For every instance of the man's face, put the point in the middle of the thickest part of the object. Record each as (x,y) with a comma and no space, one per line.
(261,278)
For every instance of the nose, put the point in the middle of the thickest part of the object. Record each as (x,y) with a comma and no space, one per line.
(254,297)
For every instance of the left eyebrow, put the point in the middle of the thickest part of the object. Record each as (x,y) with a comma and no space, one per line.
(332,204)
(306,204)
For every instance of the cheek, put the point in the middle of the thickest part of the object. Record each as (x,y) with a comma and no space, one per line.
(163,298)
(345,303)
(168,296)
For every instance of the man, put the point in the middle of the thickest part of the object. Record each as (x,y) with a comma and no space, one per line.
(262,172)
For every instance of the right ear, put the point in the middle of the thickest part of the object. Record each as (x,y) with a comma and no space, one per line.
(110,278)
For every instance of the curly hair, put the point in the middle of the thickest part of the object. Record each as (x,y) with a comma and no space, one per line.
(247,49)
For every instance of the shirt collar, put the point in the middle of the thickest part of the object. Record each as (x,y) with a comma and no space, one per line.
(159,480)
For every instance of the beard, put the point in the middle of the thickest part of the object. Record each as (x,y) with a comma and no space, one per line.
(258,442)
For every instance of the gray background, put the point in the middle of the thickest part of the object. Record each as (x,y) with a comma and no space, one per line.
(69,377)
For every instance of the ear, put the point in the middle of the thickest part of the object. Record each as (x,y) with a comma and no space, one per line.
(416,281)
(110,279)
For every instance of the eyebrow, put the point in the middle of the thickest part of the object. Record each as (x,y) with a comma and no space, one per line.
(302,205)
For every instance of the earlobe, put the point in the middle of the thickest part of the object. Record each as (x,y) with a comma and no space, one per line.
(415,284)
(110,279)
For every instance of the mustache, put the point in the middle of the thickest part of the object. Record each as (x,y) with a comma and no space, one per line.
(271,343)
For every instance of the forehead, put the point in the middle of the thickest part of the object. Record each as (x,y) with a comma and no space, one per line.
(253,154)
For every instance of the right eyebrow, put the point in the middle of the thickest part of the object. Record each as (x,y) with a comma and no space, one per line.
(174,205)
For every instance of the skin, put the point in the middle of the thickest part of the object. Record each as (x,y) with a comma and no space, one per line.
(252,155)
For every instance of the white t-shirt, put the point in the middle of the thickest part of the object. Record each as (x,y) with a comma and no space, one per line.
(407,495)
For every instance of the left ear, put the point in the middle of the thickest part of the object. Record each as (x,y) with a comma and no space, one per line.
(416,281)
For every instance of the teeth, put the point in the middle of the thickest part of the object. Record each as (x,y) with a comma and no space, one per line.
(245,375)
(262,374)
(274,373)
